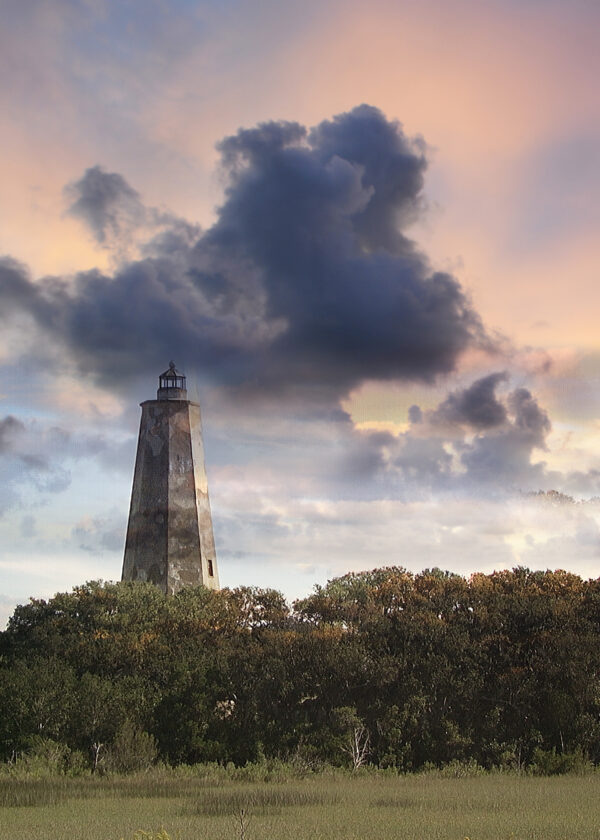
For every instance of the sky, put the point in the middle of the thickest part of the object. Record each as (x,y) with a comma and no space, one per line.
(367,233)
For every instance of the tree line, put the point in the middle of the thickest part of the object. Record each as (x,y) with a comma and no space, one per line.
(386,667)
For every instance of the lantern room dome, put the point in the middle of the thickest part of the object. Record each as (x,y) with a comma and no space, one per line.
(171,385)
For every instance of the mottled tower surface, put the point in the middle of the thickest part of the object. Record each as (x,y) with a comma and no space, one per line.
(170,537)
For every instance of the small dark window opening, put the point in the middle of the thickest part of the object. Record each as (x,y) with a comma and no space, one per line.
(210,569)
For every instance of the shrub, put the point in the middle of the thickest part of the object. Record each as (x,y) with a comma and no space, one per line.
(132,750)
(45,757)
(551,763)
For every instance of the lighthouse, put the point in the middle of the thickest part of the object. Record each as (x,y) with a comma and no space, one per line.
(170,538)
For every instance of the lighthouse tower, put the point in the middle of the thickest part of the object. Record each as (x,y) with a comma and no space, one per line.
(170,537)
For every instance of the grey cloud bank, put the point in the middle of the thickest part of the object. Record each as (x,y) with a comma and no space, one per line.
(306,279)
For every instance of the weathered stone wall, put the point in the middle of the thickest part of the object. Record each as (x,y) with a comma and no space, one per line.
(170,537)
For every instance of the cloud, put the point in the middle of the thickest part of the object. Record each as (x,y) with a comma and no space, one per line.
(393,170)
(306,279)
(120,222)
(490,450)
(35,458)
(28,527)
(476,441)
(476,406)
(101,534)
(10,429)
(462,534)
(106,202)
(500,454)
(415,414)
(30,456)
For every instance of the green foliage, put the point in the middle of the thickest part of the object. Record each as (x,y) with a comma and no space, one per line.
(455,770)
(44,757)
(387,667)
(551,763)
(132,750)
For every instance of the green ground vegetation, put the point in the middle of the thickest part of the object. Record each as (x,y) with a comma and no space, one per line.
(384,668)
(198,804)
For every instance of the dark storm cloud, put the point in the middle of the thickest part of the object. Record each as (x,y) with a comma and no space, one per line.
(476,406)
(320,219)
(392,169)
(305,279)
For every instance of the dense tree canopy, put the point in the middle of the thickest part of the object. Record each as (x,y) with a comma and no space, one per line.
(414,668)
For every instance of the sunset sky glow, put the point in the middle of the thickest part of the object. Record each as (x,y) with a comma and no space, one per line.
(368,235)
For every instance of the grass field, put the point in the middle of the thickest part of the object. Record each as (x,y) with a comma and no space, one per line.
(321,807)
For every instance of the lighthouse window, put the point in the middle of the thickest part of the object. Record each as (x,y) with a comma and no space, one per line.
(210,568)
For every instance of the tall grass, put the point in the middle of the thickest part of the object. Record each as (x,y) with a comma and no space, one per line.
(205,803)
(18,789)
(262,800)
(254,785)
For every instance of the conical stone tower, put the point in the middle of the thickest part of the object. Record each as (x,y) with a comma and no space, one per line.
(170,537)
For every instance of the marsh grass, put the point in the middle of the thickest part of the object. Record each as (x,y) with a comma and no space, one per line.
(393,801)
(20,791)
(262,800)
(203,804)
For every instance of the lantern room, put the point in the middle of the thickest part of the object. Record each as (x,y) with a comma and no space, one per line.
(171,385)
